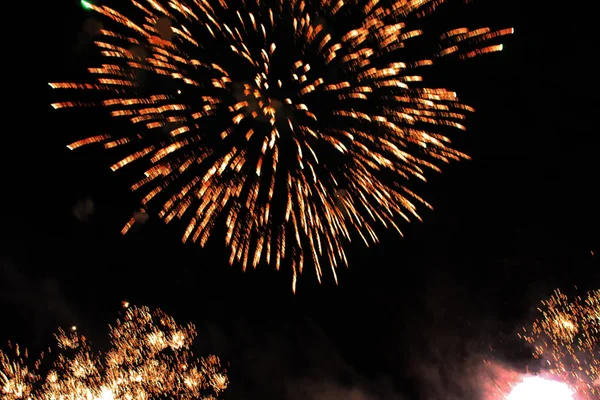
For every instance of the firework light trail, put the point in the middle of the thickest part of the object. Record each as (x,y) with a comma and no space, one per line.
(149,358)
(566,338)
(291,123)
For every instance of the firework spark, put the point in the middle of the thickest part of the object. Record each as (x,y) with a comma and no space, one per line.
(289,122)
(567,338)
(149,357)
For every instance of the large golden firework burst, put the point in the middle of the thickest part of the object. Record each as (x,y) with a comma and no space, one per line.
(294,124)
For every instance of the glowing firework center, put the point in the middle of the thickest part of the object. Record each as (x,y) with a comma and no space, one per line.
(536,388)
(257,104)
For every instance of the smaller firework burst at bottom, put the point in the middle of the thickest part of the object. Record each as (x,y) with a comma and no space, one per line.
(149,358)
(566,337)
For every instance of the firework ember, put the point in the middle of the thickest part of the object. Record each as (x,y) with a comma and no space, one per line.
(567,338)
(293,124)
(149,358)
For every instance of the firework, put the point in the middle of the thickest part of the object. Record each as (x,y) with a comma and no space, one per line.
(567,338)
(149,358)
(537,388)
(293,124)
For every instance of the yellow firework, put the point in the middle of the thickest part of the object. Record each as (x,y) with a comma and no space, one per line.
(149,358)
(567,338)
(293,124)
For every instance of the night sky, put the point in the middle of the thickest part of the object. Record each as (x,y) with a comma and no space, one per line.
(411,316)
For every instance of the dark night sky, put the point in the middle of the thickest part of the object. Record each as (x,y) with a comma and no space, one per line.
(409,315)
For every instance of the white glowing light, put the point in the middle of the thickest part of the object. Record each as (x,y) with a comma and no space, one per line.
(106,394)
(536,388)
